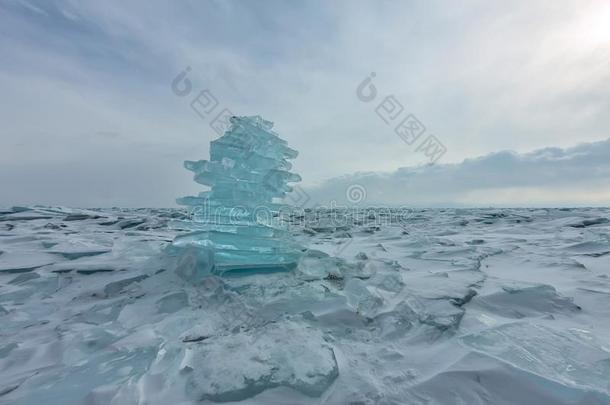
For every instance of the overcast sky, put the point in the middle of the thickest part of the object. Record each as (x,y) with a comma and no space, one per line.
(89,116)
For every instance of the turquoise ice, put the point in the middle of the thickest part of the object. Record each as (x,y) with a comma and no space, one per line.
(236,225)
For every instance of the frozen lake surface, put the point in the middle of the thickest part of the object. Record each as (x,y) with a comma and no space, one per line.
(455,306)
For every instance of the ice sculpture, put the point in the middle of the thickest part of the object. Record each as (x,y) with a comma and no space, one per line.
(236,225)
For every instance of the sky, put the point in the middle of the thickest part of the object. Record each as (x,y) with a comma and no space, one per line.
(513,97)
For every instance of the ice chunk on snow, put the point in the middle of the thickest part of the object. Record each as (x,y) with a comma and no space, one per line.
(21,262)
(479,379)
(563,356)
(235,367)
(519,300)
(173,302)
(316,265)
(195,263)
(76,249)
(362,298)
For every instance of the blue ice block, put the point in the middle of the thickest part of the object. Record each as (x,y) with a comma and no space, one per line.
(236,225)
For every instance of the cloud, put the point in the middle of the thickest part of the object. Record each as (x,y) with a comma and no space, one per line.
(578,175)
(482,76)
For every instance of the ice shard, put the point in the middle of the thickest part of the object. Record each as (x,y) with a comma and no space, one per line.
(235,227)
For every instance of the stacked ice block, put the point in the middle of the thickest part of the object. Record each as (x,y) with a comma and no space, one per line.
(236,225)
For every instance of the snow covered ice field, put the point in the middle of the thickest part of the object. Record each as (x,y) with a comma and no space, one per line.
(453,306)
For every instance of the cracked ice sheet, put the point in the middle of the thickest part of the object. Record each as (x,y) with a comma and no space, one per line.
(435,309)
